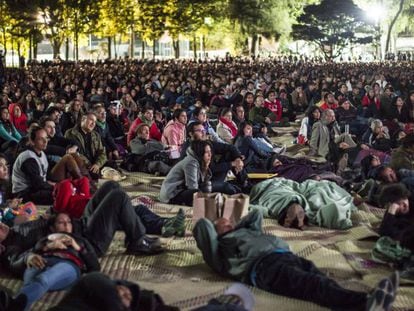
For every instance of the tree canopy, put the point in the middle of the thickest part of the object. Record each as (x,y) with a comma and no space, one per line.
(332,25)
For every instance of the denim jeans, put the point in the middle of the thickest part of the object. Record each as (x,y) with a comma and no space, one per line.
(57,275)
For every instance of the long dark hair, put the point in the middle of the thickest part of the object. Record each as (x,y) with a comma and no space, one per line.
(310,114)
(240,132)
(199,147)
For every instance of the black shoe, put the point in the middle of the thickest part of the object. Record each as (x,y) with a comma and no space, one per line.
(145,246)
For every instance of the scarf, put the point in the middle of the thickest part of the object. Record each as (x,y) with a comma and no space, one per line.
(102,125)
(231,125)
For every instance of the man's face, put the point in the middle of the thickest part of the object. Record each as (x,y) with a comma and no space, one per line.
(223,225)
(404,206)
(125,295)
(50,128)
(40,141)
(388,175)
(88,125)
(199,133)
(63,223)
(240,113)
(330,117)
(331,99)
(149,115)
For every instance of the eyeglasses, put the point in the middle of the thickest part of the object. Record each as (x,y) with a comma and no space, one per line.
(200,130)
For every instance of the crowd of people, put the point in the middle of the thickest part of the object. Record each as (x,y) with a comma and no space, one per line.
(197,123)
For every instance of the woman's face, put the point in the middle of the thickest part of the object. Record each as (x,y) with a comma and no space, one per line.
(207,154)
(259,102)
(5,114)
(316,114)
(371,93)
(145,133)
(17,112)
(228,116)
(399,102)
(250,99)
(202,116)
(248,130)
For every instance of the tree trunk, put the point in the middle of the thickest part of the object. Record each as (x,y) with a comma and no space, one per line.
(115,51)
(4,43)
(76,37)
(143,49)
(253,46)
(56,48)
(176,47)
(12,47)
(387,44)
(109,47)
(34,49)
(67,49)
(132,43)
(195,47)
(31,45)
(153,48)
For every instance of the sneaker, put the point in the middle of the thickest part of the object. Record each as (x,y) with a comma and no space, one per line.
(279,150)
(175,225)
(383,296)
(238,294)
(145,246)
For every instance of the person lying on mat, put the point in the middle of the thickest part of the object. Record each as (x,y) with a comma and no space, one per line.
(96,291)
(398,219)
(109,210)
(54,263)
(244,253)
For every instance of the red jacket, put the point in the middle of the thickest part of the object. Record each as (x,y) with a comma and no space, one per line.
(275,107)
(155,132)
(71,196)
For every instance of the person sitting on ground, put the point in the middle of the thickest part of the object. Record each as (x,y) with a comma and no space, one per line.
(259,114)
(72,117)
(29,177)
(226,128)
(8,134)
(398,218)
(274,105)
(115,125)
(190,175)
(90,144)
(403,157)
(147,155)
(200,115)
(103,129)
(174,134)
(327,141)
(243,252)
(253,154)
(226,157)
(54,263)
(147,117)
(305,131)
(18,118)
(376,137)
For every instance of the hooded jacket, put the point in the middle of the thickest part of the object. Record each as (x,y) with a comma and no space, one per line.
(186,174)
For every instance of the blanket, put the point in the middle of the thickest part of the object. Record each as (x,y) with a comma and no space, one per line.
(325,203)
